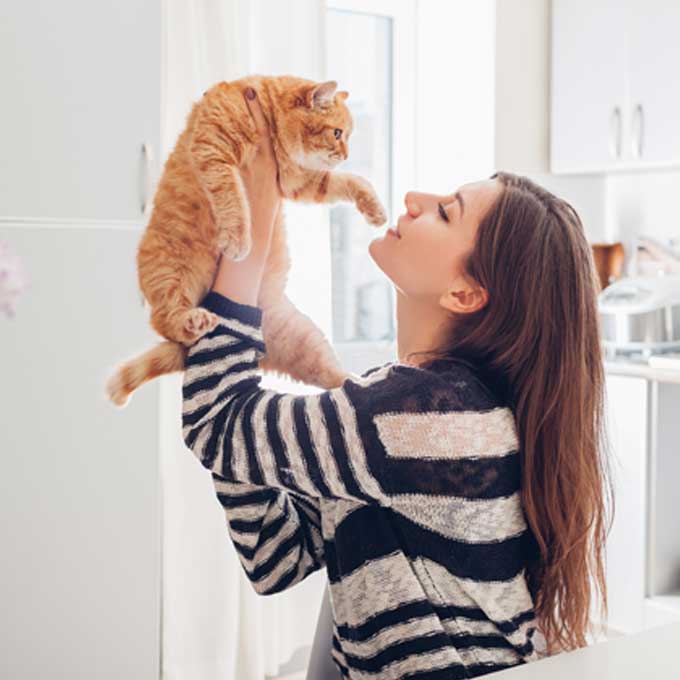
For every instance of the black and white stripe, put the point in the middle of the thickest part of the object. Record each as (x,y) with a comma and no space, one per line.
(305,444)
(276,535)
(404,483)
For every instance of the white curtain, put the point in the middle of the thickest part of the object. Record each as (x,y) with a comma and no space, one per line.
(214,625)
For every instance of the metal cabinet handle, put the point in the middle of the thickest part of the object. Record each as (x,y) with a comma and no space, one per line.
(636,142)
(147,178)
(615,132)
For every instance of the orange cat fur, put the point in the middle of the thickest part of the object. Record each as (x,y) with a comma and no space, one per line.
(200,209)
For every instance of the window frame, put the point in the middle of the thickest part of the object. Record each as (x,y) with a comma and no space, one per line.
(357,356)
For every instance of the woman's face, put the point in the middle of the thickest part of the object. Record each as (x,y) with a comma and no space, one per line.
(436,233)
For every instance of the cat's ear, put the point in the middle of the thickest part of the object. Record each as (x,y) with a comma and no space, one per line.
(321,95)
(343,94)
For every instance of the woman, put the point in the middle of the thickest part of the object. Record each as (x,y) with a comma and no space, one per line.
(457,496)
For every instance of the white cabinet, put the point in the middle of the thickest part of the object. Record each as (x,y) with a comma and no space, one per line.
(627,413)
(79,486)
(81,93)
(662,604)
(587,84)
(654,85)
(615,103)
(643,548)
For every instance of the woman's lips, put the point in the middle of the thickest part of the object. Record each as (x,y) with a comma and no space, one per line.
(393,232)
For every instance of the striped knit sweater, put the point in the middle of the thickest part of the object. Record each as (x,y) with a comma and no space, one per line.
(403,483)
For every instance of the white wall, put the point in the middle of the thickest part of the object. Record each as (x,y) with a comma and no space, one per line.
(455,112)
(483,101)
(522,110)
(643,203)
(522,63)
(586,193)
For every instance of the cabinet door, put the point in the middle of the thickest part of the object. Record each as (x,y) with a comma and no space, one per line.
(80,94)
(653,63)
(627,408)
(79,484)
(587,85)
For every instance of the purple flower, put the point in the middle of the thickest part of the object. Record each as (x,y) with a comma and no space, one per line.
(13,279)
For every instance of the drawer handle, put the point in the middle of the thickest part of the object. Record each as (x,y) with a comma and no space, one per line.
(147,178)
(638,121)
(615,132)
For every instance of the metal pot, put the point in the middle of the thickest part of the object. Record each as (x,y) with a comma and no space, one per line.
(641,313)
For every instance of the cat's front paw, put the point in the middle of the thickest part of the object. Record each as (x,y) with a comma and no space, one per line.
(234,246)
(370,207)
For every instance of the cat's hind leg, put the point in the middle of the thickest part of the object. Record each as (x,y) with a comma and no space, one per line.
(176,264)
(174,293)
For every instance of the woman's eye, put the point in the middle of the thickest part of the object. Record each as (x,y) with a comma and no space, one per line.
(442,212)
(337,133)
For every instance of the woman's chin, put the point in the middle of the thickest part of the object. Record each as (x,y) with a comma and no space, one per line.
(380,241)
(375,248)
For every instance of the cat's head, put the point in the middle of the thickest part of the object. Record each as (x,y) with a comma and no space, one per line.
(315,125)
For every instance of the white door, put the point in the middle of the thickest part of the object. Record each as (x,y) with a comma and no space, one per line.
(588,115)
(80,95)
(653,64)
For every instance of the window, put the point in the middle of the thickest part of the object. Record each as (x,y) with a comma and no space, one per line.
(370,51)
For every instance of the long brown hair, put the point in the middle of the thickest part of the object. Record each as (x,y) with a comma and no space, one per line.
(538,339)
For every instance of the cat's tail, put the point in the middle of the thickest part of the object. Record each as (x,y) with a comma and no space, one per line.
(166,357)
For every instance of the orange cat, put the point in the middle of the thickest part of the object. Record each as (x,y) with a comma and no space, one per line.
(200,209)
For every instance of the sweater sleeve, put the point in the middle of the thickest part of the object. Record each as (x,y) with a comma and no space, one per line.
(319,446)
(277,535)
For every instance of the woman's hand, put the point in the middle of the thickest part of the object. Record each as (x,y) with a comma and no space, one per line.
(240,281)
(261,176)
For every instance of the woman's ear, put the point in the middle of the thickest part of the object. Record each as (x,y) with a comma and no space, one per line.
(321,95)
(464,299)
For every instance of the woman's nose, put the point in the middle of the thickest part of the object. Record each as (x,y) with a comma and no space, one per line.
(412,204)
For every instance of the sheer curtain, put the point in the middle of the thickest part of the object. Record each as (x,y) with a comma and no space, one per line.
(214,625)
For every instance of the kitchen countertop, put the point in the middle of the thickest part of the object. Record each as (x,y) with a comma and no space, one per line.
(642,369)
(653,654)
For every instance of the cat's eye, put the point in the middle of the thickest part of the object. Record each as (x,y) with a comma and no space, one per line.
(337,133)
